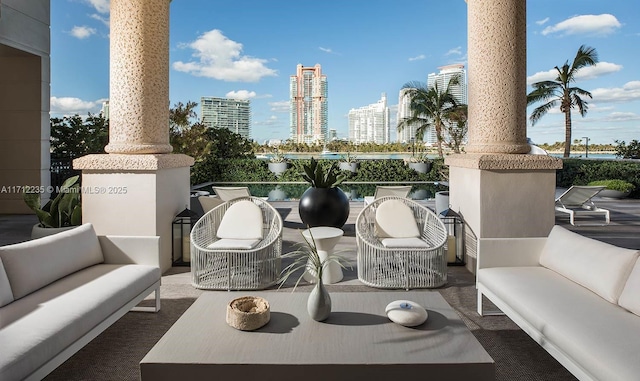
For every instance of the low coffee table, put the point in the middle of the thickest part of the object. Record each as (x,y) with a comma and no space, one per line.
(356,342)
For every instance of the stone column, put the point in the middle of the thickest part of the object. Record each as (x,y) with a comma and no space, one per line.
(138,187)
(497,187)
(497,82)
(139,73)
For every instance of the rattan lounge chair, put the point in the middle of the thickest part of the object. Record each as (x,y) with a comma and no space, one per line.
(577,202)
(400,244)
(237,246)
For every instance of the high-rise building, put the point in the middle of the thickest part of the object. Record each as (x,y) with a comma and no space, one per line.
(408,131)
(233,114)
(442,78)
(309,107)
(370,123)
(105,110)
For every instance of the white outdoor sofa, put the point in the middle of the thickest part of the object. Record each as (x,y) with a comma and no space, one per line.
(59,292)
(577,297)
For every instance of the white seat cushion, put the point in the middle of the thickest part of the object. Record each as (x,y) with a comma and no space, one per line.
(599,335)
(630,296)
(411,242)
(234,244)
(598,266)
(45,322)
(243,220)
(394,219)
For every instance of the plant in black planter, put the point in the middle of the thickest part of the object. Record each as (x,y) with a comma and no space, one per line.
(323,203)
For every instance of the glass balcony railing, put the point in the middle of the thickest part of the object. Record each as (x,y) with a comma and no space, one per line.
(355,190)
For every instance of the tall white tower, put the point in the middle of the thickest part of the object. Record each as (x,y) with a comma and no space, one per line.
(370,123)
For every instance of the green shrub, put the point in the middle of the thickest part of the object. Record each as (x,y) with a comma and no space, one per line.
(617,185)
(584,171)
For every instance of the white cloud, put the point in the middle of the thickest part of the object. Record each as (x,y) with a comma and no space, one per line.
(271,121)
(623,116)
(102,19)
(589,72)
(280,106)
(327,50)
(71,105)
(417,58)
(82,32)
(241,94)
(101,6)
(457,51)
(627,93)
(603,25)
(221,58)
(543,21)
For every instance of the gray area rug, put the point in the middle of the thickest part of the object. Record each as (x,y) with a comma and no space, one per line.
(116,353)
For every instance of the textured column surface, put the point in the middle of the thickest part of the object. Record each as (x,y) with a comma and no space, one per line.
(139,77)
(497,76)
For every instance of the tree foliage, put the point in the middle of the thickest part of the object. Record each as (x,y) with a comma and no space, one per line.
(429,107)
(73,136)
(630,151)
(561,92)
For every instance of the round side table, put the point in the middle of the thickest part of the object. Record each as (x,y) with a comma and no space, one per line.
(326,239)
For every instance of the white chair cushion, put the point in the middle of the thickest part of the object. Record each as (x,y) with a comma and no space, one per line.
(234,244)
(394,219)
(34,264)
(6,296)
(411,242)
(243,220)
(598,266)
(630,296)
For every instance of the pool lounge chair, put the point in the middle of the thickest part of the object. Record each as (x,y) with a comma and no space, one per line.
(577,202)
(388,190)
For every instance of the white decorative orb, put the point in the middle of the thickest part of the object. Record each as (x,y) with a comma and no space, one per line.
(406,312)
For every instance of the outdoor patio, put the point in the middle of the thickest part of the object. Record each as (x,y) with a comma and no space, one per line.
(116,353)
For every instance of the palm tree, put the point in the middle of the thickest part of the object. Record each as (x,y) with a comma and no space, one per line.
(560,92)
(428,107)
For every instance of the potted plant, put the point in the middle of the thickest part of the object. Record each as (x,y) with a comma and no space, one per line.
(278,163)
(349,163)
(614,188)
(307,258)
(323,203)
(61,213)
(420,163)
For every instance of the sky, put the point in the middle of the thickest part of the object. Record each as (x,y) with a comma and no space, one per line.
(365,47)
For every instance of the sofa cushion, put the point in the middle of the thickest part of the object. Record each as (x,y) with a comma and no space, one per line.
(598,335)
(6,295)
(243,220)
(42,324)
(630,296)
(598,266)
(394,219)
(34,264)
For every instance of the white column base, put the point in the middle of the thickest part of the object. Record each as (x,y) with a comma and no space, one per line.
(135,195)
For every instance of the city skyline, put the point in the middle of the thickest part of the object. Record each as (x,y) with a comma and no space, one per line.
(217,49)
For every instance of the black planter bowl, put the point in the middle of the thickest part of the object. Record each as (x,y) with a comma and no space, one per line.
(324,207)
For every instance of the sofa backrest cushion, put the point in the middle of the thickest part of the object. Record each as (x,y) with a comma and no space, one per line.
(598,266)
(34,264)
(243,220)
(394,219)
(6,295)
(630,296)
